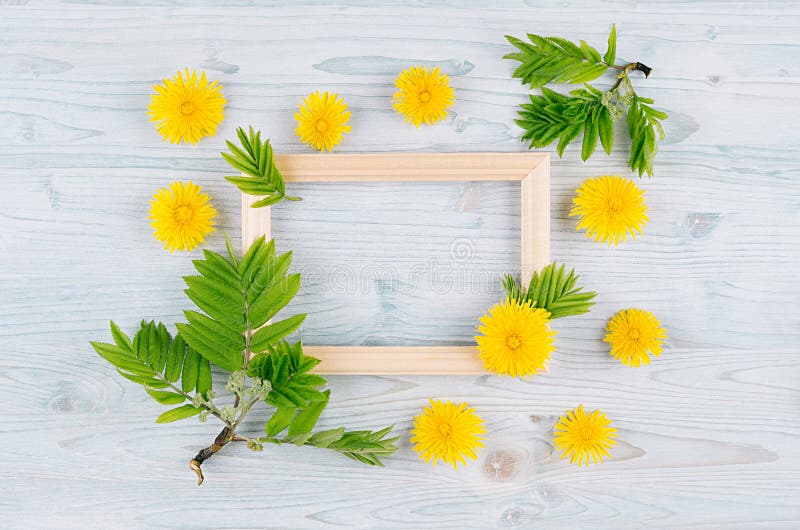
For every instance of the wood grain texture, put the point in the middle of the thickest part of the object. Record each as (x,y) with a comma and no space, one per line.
(709,433)
(530,170)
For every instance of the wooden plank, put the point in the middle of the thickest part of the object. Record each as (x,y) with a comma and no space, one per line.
(382,360)
(412,167)
(535,221)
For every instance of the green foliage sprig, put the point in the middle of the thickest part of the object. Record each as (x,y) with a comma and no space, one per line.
(256,159)
(237,299)
(552,116)
(552,289)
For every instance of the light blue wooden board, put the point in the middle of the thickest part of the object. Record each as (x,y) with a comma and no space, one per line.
(708,433)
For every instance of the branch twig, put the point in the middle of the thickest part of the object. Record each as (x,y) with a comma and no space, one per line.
(222,439)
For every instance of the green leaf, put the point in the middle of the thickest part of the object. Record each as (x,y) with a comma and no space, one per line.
(120,338)
(256,159)
(553,116)
(122,359)
(553,60)
(279,421)
(644,126)
(166,398)
(611,51)
(569,134)
(269,200)
(164,361)
(143,380)
(177,351)
(191,367)
(274,332)
(307,417)
(606,129)
(179,413)
(250,186)
(237,297)
(216,331)
(589,138)
(554,290)
(272,300)
(324,438)
(217,353)
(365,446)
(203,377)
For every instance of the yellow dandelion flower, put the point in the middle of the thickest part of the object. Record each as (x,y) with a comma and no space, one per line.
(322,120)
(610,208)
(584,437)
(516,340)
(634,335)
(181,216)
(447,431)
(186,108)
(424,96)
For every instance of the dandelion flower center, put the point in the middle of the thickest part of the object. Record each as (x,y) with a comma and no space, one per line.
(513,341)
(586,432)
(614,205)
(187,108)
(424,96)
(183,214)
(447,431)
(321,125)
(516,339)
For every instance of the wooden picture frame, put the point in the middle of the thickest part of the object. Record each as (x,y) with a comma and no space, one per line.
(532,170)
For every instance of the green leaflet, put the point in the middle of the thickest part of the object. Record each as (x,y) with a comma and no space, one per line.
(611,51)
(553,290)
(236,298)
(155,360)
(257,160)
(179,413)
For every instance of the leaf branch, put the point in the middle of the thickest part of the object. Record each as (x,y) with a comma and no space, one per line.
(552,117)
(256,159)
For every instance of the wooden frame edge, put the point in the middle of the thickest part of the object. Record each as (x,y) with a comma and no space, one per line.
(532,170)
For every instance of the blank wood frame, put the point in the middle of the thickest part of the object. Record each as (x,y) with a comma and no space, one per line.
(532,170)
